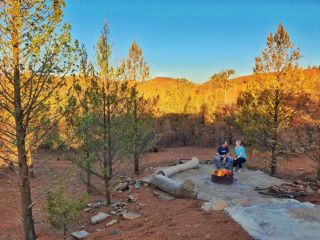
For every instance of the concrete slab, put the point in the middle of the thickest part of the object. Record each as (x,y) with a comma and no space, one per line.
(264,217)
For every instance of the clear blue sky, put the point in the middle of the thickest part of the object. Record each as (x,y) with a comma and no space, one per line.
(196,38)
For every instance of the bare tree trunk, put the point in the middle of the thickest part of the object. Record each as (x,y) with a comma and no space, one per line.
(24,185)
(107,160)
(273,163)
(88,173)
(275,140)
(65,231)
(88,182)
(317,175)
(136,163)
(107,189)
(135,154)
(109,134)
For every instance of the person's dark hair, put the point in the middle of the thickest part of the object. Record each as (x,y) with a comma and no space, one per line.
(224,141)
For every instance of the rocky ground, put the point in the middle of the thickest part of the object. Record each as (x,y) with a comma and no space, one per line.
(153,217)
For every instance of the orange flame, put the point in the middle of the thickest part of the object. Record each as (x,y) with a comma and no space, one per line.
(221,172)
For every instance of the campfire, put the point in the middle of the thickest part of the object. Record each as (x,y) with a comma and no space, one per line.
(223,176)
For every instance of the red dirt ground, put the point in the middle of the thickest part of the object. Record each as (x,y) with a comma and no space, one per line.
(160,219)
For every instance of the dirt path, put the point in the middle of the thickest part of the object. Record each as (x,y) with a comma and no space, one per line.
(160,219)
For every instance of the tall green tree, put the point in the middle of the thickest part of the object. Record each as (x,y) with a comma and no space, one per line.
(139,113)
(84,122)
(35,56)
(138,128)
(268,105)
(112,93)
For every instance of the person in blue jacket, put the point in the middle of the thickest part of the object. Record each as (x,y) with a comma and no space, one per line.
(241,156)
(223,153)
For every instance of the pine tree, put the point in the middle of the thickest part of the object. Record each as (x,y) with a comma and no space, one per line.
(84,122)
(136,68)
(137,128)
(34,47)
(112,93)
(138,109)
(267,106)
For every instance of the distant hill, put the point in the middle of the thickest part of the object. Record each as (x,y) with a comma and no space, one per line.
(183,96)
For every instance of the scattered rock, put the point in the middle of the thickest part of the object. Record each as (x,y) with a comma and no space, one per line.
(137,185)
(309,189)
(129,190)
(300,150)
(207,206)
(141,204)
(80,234)
(130,215)
(145,184)
(114,232)
(122,186)
(122,212)
(99,230)
(129,179)
(87,209)
(132,199)
(113,213)
(155,193)
(96,205)
(99,217)
(219,204)
(89,205)
(112,222)
(214,205)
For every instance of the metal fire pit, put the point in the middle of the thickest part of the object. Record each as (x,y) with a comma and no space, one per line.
(222,179)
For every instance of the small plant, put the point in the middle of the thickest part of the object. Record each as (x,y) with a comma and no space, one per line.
(62,210)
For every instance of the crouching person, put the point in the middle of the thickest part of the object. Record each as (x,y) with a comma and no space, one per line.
(223,154)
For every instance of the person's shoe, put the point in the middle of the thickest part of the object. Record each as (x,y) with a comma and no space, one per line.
(239,170)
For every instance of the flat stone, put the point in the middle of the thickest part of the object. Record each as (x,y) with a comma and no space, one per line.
(96,205)
(122,186)
(87,209)
(99,217)
(115,232)
(80,234)
(130,215)
(262,221)
(112,222)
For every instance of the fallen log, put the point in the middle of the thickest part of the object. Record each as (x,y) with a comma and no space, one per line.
(170,171)
(187,189)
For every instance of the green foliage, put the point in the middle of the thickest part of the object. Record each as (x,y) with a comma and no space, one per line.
(267,106)
(62,210)
(136,125)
